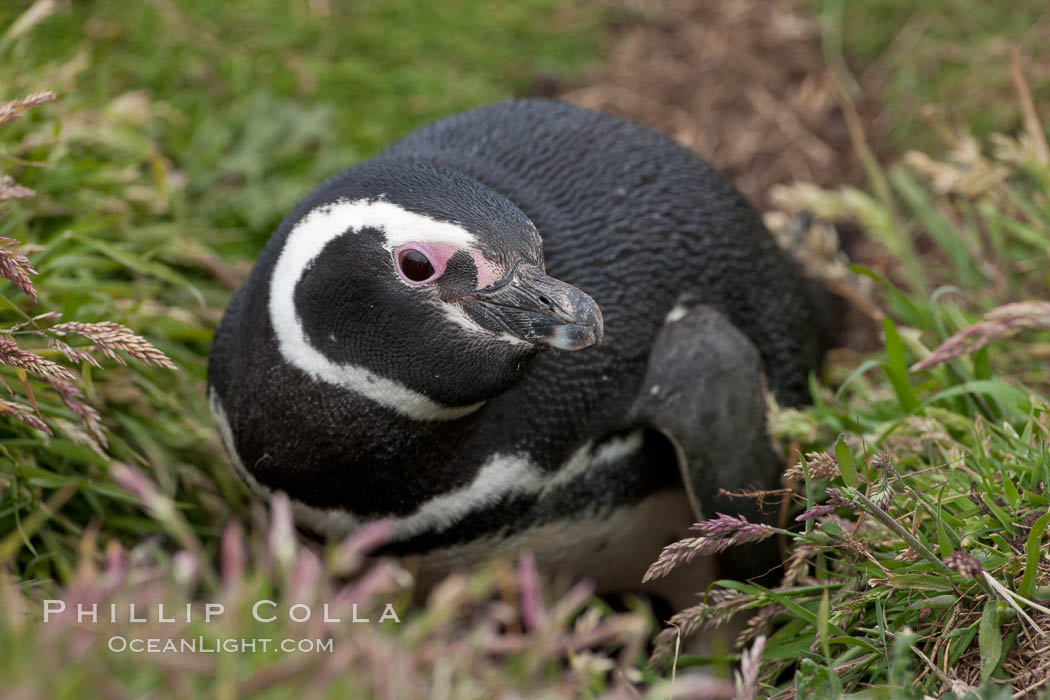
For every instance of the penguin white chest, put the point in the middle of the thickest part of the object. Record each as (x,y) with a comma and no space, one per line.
(614,551)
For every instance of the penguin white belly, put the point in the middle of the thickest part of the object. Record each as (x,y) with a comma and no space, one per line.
(613,551)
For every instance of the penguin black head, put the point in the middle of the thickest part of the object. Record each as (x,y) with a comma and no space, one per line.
(419,287)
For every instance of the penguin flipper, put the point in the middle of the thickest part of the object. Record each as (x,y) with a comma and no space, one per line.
(705,390)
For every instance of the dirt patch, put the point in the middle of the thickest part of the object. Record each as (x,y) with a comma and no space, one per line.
(741,82)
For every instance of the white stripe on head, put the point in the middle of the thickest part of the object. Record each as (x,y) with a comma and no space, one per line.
(304,243)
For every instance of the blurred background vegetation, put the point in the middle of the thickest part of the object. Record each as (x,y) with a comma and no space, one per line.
(183,133)
(184,130)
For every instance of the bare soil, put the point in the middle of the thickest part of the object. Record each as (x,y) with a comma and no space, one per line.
(741,82)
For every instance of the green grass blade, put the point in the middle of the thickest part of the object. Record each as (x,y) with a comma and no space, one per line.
(846,465)
(937,225)
(896,368)
(823,615)
(990,640)
(1032,548)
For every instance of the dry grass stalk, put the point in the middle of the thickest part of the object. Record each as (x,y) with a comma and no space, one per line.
(77,434)
(14,356)
(108,336)
(718,608)
(758,624)
(810,236)
(1033,126)
(967,172)
(15,266)
(820,465)
(23,413)
(796,569)
(747,677)
(9,189)
(719,534)
(71,353)
(997,324)
(85,413)
(15,108)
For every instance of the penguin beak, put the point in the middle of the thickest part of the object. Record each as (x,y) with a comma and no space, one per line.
(540,309)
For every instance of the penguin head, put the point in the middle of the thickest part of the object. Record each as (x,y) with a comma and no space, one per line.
(419,287)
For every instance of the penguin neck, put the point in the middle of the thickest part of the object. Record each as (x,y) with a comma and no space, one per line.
(416,459)
(358,456)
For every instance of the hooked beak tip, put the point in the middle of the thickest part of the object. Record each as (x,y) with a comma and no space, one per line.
(587,329)
(575,337)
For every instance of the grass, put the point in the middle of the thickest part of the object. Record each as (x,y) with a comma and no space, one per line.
(945,59)
(184,131)
(919,567)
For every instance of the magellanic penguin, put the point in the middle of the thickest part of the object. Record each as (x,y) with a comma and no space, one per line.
(528,325)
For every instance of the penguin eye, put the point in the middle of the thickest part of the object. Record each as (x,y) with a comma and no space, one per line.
(415,266)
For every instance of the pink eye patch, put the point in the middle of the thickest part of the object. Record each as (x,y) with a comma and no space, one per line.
(420,263)
(488,271)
